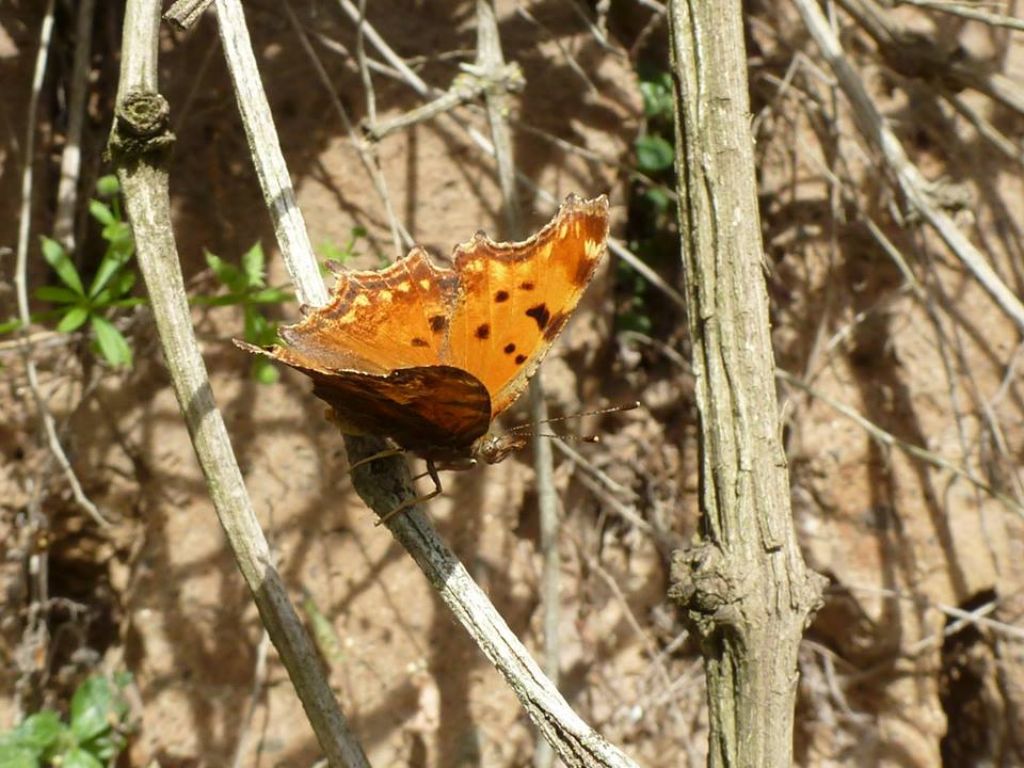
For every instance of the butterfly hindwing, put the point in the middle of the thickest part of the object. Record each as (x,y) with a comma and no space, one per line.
(420,408)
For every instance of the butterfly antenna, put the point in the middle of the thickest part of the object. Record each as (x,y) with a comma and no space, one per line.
(612,409)
(570,438)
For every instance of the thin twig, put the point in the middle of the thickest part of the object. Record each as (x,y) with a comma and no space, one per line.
(21,275)
(289,226)
(399,234)
(490,62)
(71,157)
(142,115)
(910,180)
(976,617)
(890,440)
(965,11)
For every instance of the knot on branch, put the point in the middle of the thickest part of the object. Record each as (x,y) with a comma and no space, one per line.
(141,129)
(476,79)
(704,586)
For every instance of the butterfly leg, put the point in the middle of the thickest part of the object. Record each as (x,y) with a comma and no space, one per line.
(379,455)
(432,471)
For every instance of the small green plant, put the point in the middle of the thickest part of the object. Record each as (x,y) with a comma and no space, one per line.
(111,285)
(93,736)
(652,211)
(246,287)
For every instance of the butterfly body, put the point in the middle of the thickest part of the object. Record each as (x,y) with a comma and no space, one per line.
(429,356)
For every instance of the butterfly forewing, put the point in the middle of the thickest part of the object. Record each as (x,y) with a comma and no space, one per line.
(515,298)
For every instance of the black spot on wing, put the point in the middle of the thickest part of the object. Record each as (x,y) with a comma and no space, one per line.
(510,348)
(541,314)
(520,359)
(483,331)
(438,323)
(526,286)
(501,296)
(418,342)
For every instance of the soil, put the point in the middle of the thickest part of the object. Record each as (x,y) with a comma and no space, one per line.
(905,541)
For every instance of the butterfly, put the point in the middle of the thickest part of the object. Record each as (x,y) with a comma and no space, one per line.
(429,356)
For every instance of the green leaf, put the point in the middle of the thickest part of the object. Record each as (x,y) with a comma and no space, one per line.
(73,319)
(657,94)
(115,350)
(10,325)
(109,266)
(121,284)
(131,301)
(270,296)
(107,186)
(252,265)
(40,731)
(102,213)
(227,273)
(57,258)
(92,704)
(17,756)
(265,372)
(658,199)
(653,153)
(119,235)
(57,294)
(79,758)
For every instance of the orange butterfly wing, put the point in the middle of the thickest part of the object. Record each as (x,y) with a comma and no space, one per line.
(515,298)
(429,356)
(379,321)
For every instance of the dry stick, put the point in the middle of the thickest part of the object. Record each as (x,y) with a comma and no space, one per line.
(71,157)
(916,55)
(289,227)
(371,115)
(139,144)
(490,61)
(747,593)
(421,87)
(21,276)
(967,12)
(890,440)
(185,13)
(385,483)
(913,184)
(400,235)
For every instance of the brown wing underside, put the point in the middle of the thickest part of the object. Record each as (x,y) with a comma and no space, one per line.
(421,408)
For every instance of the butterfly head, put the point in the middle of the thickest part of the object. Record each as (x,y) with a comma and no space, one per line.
(494,448)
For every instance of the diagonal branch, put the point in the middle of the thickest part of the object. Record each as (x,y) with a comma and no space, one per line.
(140,142)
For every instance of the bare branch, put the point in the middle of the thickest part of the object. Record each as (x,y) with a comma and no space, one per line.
(139,145)
(21,276)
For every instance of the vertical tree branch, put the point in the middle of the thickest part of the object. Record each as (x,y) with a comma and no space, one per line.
(71,157)
(490,61)
(746,590)
(139,145)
